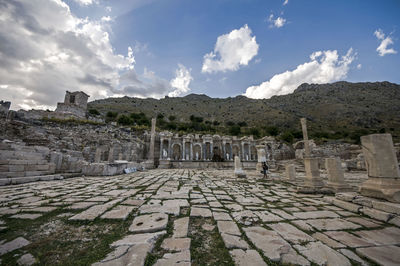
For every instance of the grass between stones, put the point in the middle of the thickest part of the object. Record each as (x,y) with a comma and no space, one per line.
(57,241)
(207,247)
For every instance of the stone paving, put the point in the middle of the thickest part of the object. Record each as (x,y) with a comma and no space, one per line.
(258,221)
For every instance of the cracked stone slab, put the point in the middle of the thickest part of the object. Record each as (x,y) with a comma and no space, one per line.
(268,217)
(149,223)
(332,224)
(157,208)
(328,241)
(349,239)
(353,256)
(228,227)
(291,233)
(94,211)
(232,241)
(17,243)
(273,246)
(127,255)
(387,255)
(321,254)
(385,236)
(247,257)
(172,259)
(120,212)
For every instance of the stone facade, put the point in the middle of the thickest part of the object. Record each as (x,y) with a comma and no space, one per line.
(75,104)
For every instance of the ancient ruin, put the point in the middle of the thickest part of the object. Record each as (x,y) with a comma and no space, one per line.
(158,192)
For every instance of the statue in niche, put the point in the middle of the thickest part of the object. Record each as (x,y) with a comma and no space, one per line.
(165,154)
(197,156)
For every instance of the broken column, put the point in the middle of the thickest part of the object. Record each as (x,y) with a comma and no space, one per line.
(313,182)
(150,159)
(382,166)
(238,168)
(261,156)
(97,156)
(336,181)
(290,172)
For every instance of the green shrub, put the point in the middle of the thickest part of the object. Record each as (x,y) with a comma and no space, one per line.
(287,136)
(94,112)
(124,120)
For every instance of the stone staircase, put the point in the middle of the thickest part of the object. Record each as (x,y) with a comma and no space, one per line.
(20,161)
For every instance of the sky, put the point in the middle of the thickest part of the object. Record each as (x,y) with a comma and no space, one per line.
(221,48)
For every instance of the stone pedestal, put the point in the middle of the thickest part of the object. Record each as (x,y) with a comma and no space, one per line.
(165,164)
(238,168)
(313,182)
(290,172)
(382,166)
(336,181)
(261,157)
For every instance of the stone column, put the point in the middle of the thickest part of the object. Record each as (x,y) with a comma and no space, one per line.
(382,166)
(169,149)
(313,182)
(211,150)
(261,156)
(183,150)
(290,172)
(111,155)
(152,139)
(97,156)
(307,152)
(238,168)
(336,181)
(223,150)
(161,148)
(191,150)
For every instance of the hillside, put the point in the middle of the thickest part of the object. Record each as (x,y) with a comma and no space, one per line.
(337,107)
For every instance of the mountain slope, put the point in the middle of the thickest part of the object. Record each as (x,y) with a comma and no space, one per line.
(328,107)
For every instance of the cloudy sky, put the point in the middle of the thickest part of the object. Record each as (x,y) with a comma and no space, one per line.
(222,48)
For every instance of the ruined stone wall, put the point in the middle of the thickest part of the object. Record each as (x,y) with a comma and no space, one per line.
(72,145)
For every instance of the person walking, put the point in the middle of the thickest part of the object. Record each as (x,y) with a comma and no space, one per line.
(265,169)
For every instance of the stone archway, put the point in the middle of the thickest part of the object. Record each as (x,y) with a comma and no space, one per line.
(228,151)
(176,152)
(253,153)
(197,152)
(235,151)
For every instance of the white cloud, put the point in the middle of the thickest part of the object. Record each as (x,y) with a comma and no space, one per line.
(324,67)
(46,50)
(277,22)
(181,81)
(106,19)
(359,66)
(85,2)
(231,51)
(385,42)
(285,2)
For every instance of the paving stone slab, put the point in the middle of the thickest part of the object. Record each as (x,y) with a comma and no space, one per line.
(181,227)
(173,259)
(176,244)
(80,205)
(94,211)
(17,243)
(228,227)
(268,217)
(353,256)
(332,224)
(120,212)
(387,255)
(327,241)
(315,214)
(273,246)
(40,209)
(174,210)
(350,240)
(364,222)
(133,202)
(221,216)
(29,216)
(247,257)
(232,241)
(149,223)
(321,254)
(291,233)
(385,236)
(26,260)
(200,212)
